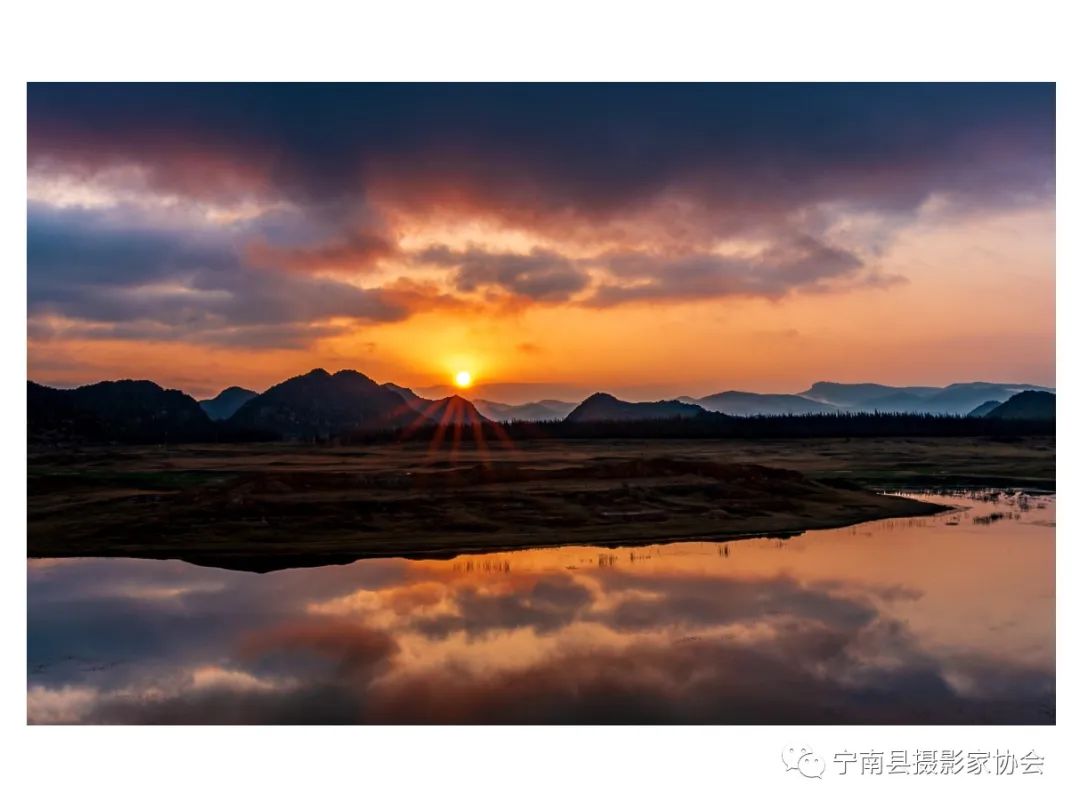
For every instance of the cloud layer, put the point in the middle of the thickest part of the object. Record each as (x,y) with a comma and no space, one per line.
(687,636)
(272,215)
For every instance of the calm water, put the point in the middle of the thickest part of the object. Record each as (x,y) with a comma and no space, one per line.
(930,620)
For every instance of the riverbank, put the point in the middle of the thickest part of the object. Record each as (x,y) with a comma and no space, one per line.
(261,507)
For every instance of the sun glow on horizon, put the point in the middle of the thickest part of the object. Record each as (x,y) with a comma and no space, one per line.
(463,379)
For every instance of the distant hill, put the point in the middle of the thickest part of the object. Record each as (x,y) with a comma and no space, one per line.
(858,395)
(226,403)
(121,410)
(606,408)
(896,402)
(452,412)
(449,411)
(510,392)
(410,397)
(961,398)
(743,403)
(985,408)
(954,399)
(546,410)
(1026,405)
(320,405)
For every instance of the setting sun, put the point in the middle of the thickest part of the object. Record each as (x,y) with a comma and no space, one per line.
(463,379)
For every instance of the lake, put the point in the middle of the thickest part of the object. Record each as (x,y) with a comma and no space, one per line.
(945,619)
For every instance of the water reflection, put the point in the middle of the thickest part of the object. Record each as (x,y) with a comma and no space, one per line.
(948,619)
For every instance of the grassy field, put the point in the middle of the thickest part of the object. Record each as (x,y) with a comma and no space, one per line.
(269,506)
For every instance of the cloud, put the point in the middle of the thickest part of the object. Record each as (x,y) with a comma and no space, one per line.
(212,646)
(540,275)
(795,263)
(542,150)
(545,606)
(215,213)
(92,276)
(352,253)
(801,264)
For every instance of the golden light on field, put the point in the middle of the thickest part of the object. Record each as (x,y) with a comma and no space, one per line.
(463,379)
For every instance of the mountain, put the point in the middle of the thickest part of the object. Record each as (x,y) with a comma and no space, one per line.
(226,403)
(606,408)
(323,405)
(985,408)
(546,410)
(120,410)
(453,411)
(1026,405)
(896,402)
(448,411)
(858,395)
(742,403)
(510,393)
(410,397)
(957,398)
(960,398)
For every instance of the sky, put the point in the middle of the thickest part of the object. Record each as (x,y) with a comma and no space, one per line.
(552,240)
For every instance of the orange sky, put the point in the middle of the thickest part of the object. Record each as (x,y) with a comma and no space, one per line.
(976,302)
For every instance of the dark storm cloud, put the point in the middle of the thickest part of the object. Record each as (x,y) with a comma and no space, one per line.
(590,148)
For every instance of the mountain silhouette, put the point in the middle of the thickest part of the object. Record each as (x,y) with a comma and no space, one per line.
(120,410)
(985,408)
(743,403)
(954,399)
(545,410)
(1026,405)
(320,405)
(859,395)
(602,407)
(960,398)
(452,411)
(226,403)
(408,396)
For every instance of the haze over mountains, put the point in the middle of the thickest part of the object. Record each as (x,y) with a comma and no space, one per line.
(743,403)
(321,405)
(958,398)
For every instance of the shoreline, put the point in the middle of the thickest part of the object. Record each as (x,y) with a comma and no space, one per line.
(263,508)
(263,562)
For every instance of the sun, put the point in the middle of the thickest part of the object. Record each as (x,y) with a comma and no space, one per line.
(463,379)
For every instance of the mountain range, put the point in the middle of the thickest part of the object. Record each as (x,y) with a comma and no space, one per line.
(545,410)
(321,405)
(955,399)
(120,410)
(744,403)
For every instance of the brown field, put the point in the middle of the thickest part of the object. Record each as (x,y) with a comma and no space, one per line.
(268,506)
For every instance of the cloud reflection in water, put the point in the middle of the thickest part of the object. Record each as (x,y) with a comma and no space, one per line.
(912,621)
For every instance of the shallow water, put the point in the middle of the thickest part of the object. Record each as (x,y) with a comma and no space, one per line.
(947,619)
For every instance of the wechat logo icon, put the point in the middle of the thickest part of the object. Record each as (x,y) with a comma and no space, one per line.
(804,760)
